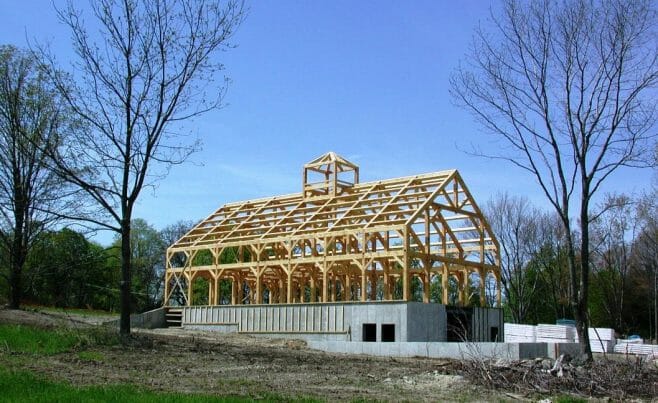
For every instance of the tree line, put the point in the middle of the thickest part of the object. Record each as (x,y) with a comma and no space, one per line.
(64,268)
(624,262)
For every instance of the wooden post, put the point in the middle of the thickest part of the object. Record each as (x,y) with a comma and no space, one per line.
(373,282)
(364,283)
(234,291)
(190,279)
(387,280)
(427,261)
(259,289)
(426,286)
(289,288)
(498,292)
(325,286)
(405,269)
(334,289)
(483,279)
(282,292)
(497,275)
(211,294)
(445,284)
(313,290)
(240,291)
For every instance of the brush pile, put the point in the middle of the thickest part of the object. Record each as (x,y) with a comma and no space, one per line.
(620,378)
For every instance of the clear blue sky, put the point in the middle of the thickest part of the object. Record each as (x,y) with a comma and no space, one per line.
(366,79)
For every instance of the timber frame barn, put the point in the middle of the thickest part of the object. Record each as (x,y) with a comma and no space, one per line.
(340,240)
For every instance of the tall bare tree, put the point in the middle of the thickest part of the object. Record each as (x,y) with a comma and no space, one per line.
(152,65)
(30,122)
(567,87)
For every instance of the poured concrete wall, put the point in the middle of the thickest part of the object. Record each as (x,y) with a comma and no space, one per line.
(288,318)
(414,321)
(466,351)
(425,322)
(148,320)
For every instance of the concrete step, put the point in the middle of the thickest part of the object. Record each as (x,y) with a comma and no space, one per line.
(174,317)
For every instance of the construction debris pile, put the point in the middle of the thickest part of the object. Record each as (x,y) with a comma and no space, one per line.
(625,378)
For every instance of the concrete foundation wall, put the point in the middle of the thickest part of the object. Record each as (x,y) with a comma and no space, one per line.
(411,321)
(288,318)
(378,314)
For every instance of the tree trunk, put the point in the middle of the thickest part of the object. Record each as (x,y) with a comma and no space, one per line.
(16,285)
(17,257)
(126,303)
(579,300)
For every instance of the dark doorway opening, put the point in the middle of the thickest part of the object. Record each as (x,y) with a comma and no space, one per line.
(459,324)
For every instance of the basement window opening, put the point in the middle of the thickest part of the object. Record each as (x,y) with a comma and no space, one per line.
(369,332)
(388,332)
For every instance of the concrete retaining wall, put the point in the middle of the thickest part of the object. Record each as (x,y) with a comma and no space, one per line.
(469,351)
(148,320)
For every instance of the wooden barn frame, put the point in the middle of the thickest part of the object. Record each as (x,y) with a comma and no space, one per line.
(341,240)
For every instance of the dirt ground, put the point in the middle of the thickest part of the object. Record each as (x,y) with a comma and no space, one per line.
(238,365)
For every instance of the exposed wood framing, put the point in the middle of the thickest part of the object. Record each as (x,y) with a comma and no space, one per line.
(341,240)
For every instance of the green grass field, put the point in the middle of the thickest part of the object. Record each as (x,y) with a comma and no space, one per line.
(24,386)
(31,340)
(20,342)
(25,339)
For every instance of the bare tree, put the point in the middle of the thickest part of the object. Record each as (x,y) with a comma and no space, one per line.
(566,87)
(31,118)
(517,224)
(153,64)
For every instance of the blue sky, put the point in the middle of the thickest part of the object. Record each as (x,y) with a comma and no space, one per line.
(366,79)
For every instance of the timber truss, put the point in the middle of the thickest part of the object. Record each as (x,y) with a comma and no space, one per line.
(341,240)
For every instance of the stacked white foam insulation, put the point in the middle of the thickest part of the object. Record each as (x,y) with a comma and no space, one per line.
(635,346)
(601,339)
(555,333)
(515,333)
